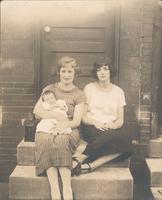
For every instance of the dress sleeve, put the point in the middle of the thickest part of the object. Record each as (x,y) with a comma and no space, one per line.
(80,97)
(48,87)
(39,105)
(87,92)
(121,99)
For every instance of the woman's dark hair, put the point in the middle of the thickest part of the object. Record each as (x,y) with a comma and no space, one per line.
(100,63)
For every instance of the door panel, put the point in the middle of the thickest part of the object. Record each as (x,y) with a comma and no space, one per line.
(84,30)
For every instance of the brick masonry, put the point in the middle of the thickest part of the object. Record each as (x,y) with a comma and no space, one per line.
(17,91)
(18,73)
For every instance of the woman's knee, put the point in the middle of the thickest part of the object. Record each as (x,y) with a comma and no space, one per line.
(52,170)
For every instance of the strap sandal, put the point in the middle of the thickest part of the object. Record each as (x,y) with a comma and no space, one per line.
(76,171)
(86,170)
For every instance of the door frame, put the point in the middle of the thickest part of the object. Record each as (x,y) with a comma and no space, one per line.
(155,87)
(37,45)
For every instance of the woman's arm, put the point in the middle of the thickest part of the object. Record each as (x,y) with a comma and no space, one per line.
(40,112)
(120,120)
(77,116)
(75,122)
(110,125)
(91,121)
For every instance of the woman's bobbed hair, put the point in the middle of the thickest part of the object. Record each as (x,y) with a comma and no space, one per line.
(67,61)
(100,63)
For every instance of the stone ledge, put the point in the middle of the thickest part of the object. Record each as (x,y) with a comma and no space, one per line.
(155,171)
(26,153)
(157,193)
(155,148)
(112,183)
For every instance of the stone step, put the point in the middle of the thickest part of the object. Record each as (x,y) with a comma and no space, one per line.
(155,148)
(26,155)
(103,184)
(155,171)
(157,193)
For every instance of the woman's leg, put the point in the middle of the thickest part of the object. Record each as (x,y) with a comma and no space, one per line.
(98,162)
(52,174)
(101,143)
(104,147)
(109,142)
(65,174)
(96,141)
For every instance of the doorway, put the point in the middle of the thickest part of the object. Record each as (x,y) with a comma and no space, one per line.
(85,30)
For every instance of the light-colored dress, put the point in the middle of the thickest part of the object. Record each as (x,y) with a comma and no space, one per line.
(57,151)
(103,105)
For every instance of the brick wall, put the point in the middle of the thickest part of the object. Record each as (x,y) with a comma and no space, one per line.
(159,91)
(160,76)
(151,34)
(146,49)
(138,74)
(130,55)
(17,91)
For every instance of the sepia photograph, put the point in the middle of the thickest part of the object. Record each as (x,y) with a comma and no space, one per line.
(81,100)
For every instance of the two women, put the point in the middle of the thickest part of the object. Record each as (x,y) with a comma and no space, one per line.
(102,112)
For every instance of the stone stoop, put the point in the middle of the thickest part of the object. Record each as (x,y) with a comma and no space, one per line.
(154,164)
(26,155)
(157,192)
(102,184)
(155,174)
(155,171)
(113,181)
(155,148)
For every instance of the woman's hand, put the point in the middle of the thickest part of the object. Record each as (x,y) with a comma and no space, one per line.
(53,131)
(104,126)
(61,126)
(109,125)
(100,126)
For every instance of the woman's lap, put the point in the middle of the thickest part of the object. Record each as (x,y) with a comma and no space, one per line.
(107,142)
(55,151)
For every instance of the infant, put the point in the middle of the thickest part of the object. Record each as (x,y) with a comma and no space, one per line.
(50,103)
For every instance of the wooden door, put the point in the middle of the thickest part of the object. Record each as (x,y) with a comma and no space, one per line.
(85,30)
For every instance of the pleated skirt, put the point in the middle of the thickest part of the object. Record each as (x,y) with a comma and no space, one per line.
(55,151)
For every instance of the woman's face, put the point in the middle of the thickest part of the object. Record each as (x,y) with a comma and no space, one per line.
(103,73)
(67,74)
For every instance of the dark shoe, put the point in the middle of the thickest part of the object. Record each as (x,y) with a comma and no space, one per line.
(77,169)
(86,170)
(160,191)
